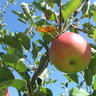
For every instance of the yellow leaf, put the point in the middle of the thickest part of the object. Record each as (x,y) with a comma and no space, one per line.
(46,29)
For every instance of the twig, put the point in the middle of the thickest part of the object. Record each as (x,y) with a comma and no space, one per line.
(78,28)
(75,15)
(39,69)
(60,24)
(29,30)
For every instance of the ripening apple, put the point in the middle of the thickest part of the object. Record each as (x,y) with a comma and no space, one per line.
(70,52)
(6,92)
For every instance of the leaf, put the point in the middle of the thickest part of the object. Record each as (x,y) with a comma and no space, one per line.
(21,15)
(43,92)
(69,8)
(94,16)
(19,67)
(13,42)
(5,73)
(81,92)
(35,51)
(94,85)
(46,29)
(50,3)
(94,36)
(23,21)
(43,44)
(72,77)
(46,37)
(10,58)
(40,5)
(41,22)
(26,10)
(88,77)
(19,84)
(24,40)
(46,91)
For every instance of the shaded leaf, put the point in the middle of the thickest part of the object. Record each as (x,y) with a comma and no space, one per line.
(10,58)
(19,84)
(88,77)
(43,44)
(24,40)
(69,8)
(41,22)
(12,41)
(5,73)
(35,51)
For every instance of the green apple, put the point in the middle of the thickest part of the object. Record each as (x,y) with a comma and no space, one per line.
(6,92)
(70,52)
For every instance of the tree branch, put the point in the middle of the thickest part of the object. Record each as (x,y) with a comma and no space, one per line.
(60,24)
(39,69)
(75,15)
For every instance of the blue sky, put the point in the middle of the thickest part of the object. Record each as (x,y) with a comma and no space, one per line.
(14,25)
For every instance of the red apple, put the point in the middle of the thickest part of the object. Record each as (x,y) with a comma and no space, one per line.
(6,92)
(70,52)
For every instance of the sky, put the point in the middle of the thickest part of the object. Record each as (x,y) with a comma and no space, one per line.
(14,25)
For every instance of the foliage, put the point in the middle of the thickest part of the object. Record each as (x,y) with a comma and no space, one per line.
(44,16)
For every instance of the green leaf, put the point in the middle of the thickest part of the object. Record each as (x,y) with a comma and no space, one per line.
(81,92)
(94,36)
(19,67)
(94,16)
(5,73)
(88,77)
(22,20)
(43,92)
(94,85)
(26,10)
(69,8)
(10,58)
(24,40)
(43,44)
(19,84)
(13,42)
(41,22)
(21,15)
(92,66)
(46,37)
(35,51)
(50,3)
(46,91)
(72,77)
(40,5)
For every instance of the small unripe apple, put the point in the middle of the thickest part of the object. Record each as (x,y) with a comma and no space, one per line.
(6,92)
(70,52)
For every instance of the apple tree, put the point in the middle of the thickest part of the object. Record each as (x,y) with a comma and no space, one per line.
(47,19)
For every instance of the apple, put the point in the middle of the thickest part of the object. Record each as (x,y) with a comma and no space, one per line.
(6,92)
(70,52)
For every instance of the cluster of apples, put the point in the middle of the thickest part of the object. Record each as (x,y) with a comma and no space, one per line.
(70,53)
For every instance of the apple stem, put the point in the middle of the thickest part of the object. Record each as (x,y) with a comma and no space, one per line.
(60,24)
